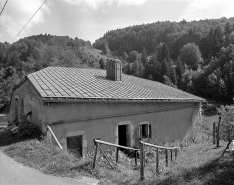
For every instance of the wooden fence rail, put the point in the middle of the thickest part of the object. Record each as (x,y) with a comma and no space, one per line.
(142,150)
(142,158)
(97,143)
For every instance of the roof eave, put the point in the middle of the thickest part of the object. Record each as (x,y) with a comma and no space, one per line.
(98,99)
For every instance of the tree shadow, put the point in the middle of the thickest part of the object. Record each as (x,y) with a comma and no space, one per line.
(6,138)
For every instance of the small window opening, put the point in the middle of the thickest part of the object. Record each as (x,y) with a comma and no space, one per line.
(145,131)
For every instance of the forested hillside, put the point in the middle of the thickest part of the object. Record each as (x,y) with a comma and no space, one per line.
(196,56)
(36,52)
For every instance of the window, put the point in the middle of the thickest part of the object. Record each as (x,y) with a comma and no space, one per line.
(145,131)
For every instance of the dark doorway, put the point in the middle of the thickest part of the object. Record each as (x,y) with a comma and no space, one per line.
(123,135)
(74,145)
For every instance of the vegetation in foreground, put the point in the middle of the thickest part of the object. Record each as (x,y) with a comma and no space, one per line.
(47,158)
(201,163)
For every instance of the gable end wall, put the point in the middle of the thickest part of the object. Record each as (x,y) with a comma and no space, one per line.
(31,102)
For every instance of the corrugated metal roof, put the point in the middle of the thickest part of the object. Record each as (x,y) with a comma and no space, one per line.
(82,83)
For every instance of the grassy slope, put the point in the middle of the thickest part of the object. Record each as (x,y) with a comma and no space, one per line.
(197,164)
(47,158)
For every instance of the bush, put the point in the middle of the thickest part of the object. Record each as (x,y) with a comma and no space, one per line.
(210,109)
(28,130)
(227,121)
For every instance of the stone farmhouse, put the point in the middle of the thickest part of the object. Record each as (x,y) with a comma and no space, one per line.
(81,104)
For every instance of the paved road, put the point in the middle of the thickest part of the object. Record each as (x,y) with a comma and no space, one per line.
(14,173)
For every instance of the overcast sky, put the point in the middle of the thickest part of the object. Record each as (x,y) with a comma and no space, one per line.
(90,19)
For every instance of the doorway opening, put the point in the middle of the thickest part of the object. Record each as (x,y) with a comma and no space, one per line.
(74,145)
(123,135)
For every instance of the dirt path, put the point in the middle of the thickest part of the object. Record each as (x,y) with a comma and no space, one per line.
(14,173)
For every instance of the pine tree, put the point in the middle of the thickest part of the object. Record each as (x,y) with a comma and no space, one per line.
(165,69)
(144,56)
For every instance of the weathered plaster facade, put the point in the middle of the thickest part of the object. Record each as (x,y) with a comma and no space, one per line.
(28,100)
(169,120)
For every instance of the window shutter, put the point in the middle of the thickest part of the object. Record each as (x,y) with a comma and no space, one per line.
(139,132)
(150,132)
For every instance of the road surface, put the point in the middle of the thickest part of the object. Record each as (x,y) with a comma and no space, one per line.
(14,173)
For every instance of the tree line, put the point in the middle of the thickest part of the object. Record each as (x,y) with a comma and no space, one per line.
(36,52)
(196,56)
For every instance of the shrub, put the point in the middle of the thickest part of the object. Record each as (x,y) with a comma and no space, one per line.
(28,130)
(227,121)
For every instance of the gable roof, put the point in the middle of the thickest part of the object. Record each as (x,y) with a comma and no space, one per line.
(59,83)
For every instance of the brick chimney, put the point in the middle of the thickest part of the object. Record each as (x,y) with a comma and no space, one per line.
(114,70)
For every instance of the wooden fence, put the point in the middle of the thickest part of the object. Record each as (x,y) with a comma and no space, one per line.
(97,144)
(216,132)
(143,146)
(142,155)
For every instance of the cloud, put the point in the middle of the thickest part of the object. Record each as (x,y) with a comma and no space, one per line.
(17,13)
(96,3)
(207,9)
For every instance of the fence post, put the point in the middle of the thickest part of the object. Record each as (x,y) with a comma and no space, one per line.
(141,160)
(171,154)
(135,158)
(214,133)
(117,154)
(95,154)
(218,131)
(157,161)
(166,157)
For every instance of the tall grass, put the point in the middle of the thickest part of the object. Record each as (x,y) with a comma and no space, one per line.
(48,159)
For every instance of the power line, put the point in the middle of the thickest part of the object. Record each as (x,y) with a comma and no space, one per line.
(3,7)
(29,20)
